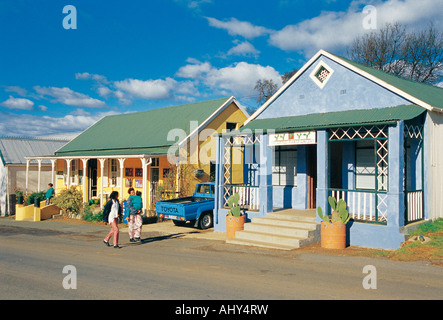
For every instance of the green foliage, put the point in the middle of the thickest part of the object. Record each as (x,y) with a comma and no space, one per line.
(339,211)
(35,195)
(90,216)
(69,200)
(234,208)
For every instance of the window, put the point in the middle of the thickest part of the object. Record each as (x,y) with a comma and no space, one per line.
(365,165)
(284,169)
(321,74)
(114,172)
(73,172)
(155,162)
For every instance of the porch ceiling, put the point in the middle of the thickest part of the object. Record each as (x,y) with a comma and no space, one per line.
(337,119)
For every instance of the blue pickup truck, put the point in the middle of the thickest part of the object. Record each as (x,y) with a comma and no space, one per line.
(198,208)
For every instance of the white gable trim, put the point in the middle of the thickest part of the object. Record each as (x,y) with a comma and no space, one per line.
(351,67)
(212,117)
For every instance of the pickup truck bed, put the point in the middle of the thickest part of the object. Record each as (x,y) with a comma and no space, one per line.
(198,207)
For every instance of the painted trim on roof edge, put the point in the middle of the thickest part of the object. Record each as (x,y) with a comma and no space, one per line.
(208,120)
(346,65)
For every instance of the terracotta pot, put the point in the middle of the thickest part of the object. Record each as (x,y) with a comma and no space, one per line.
(234,224)
(333,235)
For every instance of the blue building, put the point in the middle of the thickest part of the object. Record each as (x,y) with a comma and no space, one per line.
(338,128)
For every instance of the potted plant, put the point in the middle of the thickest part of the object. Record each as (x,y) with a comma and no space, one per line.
(19,195)
(235,221)
(333,227)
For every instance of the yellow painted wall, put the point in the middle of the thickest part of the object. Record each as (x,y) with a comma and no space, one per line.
(206,151)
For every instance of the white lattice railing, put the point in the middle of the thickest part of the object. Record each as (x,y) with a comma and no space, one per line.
(249,196)
(363,205)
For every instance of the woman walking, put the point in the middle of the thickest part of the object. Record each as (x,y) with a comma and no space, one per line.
(113,210)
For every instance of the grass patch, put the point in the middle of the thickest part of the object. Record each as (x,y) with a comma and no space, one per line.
(431,250)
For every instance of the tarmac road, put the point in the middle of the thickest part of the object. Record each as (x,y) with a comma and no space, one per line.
(174,263)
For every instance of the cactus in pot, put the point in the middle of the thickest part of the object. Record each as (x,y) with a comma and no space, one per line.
(234,208)
(333,226)
(339,211)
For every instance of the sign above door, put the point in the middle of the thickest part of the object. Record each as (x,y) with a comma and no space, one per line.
(292,138)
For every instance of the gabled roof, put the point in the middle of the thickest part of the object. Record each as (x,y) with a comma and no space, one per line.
(144,132)
(426,96)
(337,119)
(14,150)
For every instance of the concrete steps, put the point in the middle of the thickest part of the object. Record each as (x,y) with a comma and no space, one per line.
(285,230)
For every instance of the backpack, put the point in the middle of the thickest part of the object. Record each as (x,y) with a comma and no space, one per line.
(106,211)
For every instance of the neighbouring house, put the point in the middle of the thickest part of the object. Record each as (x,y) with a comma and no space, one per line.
(338,128)
(17,172)
(131,150)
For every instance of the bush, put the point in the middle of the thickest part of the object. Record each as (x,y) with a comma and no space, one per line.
(69,200)
(91,216)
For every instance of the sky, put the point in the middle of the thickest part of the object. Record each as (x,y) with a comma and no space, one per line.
(66,64)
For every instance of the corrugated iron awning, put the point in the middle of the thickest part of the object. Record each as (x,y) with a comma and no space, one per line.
(337,119)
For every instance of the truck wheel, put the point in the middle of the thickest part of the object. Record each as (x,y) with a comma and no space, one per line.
(205,220)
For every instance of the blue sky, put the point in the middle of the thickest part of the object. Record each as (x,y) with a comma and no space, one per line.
(135,55)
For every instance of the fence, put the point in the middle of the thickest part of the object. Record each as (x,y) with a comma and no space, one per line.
(364,205)
(414,205)
(249,196)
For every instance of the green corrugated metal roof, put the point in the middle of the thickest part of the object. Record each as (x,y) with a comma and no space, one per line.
(430,94)
(139,132)
(337,119)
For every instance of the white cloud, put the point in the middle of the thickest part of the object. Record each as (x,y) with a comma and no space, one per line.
(91,76)
(239,28)
(239,78)
(69,97)
(147,89)
(336,30)
(192,4)
(194,70)
(20,91)
(31,125)
(18,103)
(244,48)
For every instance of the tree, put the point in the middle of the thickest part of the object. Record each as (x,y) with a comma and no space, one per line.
(288,75)
(266,88)
(415,55)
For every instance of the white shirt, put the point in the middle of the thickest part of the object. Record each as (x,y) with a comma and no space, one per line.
(114,211)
